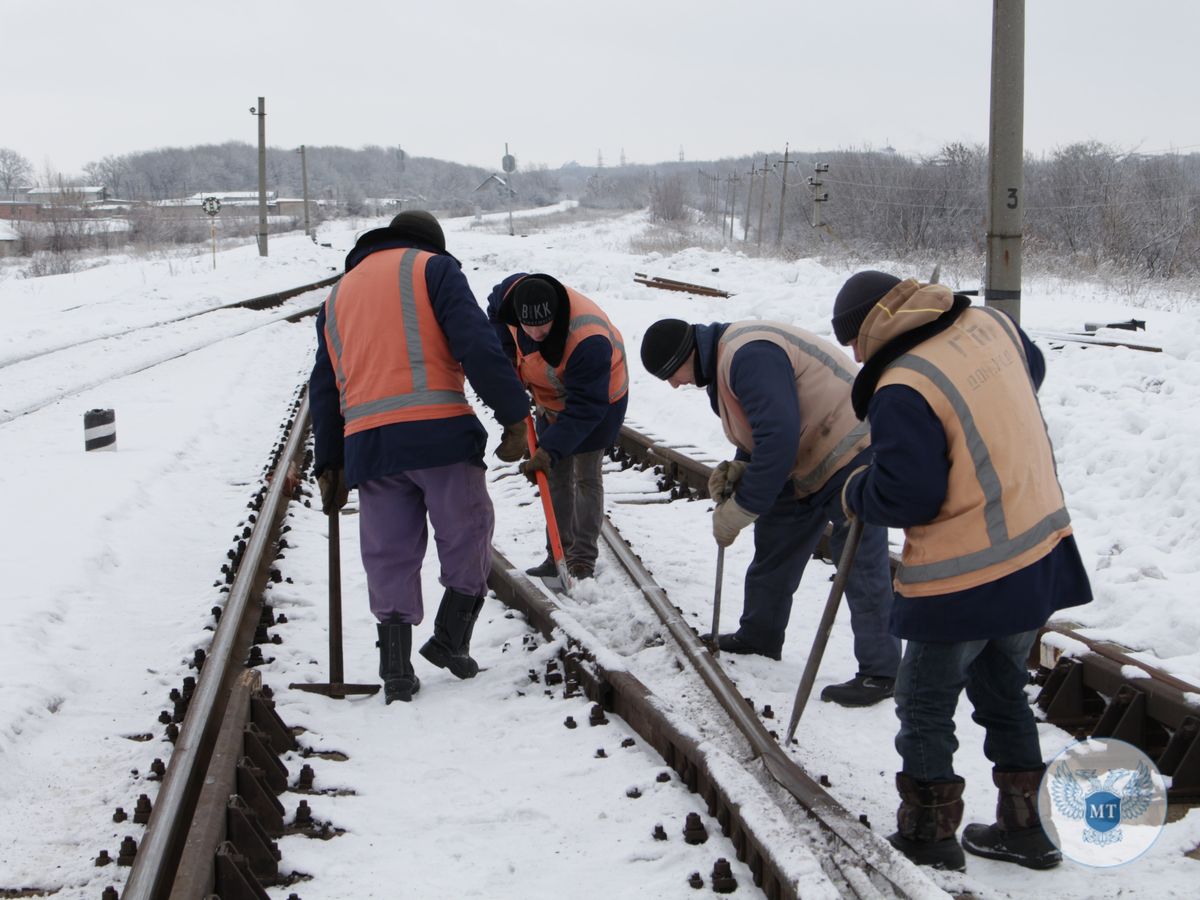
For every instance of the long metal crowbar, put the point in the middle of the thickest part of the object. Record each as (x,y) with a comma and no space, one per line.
(825,626)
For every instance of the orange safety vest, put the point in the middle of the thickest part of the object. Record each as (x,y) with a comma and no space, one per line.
(546,381)
(830,434)
(390,357)
(1004,508)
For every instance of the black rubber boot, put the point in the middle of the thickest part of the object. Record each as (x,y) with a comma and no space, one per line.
(1017,835)
(450,646)
(731,643)
(547,568)
(400,682)
(861,690)
(927,819)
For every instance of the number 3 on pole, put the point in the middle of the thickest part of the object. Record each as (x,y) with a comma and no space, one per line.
(1012,198)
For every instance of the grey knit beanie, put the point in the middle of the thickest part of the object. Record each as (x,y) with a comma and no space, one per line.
(855,300)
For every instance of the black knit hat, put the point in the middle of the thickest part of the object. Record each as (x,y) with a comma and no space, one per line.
(420,226)
(855,300)
(535,301)
(666,346)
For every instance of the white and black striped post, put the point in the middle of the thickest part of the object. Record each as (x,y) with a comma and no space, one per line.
(99,429)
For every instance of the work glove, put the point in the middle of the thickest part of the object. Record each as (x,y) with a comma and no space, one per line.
(513,443)
(539,462)
(728,519)
(849,513)
(334,492)
(724,478)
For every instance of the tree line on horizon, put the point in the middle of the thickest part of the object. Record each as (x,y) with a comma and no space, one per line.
(1089,205)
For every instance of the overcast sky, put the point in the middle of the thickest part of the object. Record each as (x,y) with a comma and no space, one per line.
(562,80)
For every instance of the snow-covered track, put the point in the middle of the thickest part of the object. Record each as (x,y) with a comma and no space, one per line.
(854,859)
(229,735)
(265,301)
(38,380)
(1089,688)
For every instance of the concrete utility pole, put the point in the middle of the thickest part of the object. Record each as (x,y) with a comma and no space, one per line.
(762,202)
(1006,180)
(304,181)
(782,196)
(261,112)
(749,197)
(731,182)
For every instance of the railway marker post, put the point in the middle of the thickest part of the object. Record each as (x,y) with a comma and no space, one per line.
(212,206)
(100,429)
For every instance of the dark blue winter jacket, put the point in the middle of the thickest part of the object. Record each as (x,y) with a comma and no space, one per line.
(588,422)
(762,377)
(906,485)
(401,446)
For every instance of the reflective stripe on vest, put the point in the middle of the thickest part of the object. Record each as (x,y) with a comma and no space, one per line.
(824,405)
(1003,547)
(418,401)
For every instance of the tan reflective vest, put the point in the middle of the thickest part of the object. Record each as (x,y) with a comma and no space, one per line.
(830,434)
(546,381)
(1004,508)
(390,357)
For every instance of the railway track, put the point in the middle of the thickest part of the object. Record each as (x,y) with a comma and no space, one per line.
(1089,688)
(217,817)
(49,375)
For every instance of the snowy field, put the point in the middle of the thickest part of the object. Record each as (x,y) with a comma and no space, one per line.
(476,789)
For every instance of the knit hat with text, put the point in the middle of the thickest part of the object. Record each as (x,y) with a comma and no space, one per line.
(535,301)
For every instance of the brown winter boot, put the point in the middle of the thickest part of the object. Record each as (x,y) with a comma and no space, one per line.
(1017,834)
(928,816)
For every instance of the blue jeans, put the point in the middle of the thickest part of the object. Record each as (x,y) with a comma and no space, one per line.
(994,673)
(784,540)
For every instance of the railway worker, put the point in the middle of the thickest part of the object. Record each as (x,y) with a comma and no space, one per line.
(783,395)
(572,359)
(395,339)
(964,465)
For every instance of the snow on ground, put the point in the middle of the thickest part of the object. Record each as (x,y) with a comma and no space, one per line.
(109,562)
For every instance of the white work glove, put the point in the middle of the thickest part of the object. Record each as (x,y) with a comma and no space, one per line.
(728,519)
(724,478)
(849,513)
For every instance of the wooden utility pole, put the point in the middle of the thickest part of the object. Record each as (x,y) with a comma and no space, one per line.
(782,196)
(1006,185)
(261,112)
(819,196)
(762,202)
(304,181)
(749,197)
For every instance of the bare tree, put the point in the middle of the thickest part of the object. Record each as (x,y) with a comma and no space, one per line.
(15,171)
(109,172)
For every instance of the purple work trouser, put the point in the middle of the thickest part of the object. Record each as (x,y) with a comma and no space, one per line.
(393,534)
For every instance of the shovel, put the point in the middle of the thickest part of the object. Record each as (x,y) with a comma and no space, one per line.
(825,626)
(556,549)
(335,687)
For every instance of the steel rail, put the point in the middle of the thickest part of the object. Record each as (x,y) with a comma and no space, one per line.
(157,858)
(1161,700)
(871,852)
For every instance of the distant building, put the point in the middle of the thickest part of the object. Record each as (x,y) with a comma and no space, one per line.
(10,241)
(233,203)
